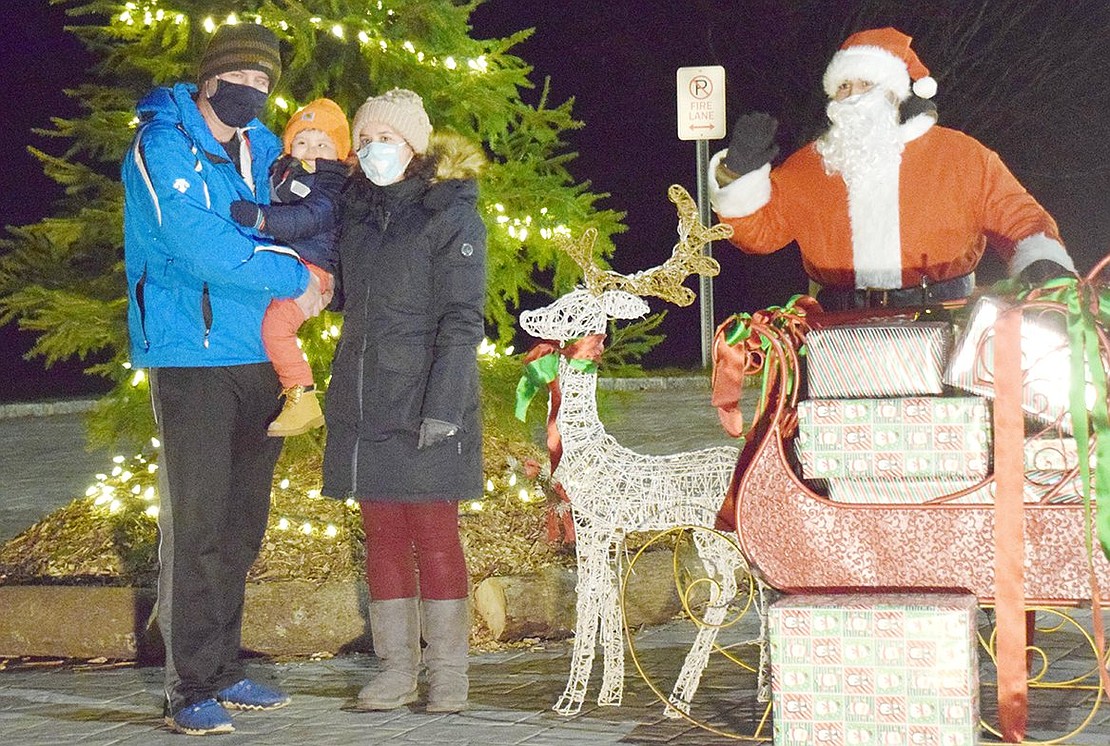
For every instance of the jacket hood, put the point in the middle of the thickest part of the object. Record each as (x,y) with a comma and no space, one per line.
(456,157)
(458,163)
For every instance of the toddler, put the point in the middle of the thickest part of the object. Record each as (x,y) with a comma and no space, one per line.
(304,190)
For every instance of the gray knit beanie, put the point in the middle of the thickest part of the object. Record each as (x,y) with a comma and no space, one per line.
(402,110)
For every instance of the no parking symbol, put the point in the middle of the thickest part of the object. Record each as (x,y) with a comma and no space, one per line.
(701,103)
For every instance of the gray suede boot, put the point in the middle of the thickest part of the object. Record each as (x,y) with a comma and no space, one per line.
(395,627)
(446,638)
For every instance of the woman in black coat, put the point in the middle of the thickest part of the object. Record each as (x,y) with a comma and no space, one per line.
(404,428)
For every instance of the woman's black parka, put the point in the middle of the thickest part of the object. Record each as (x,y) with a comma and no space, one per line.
(413,279)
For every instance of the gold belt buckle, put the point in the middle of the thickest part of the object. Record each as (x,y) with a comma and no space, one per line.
(876,297)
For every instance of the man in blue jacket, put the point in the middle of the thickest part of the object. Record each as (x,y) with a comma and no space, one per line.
(198,285)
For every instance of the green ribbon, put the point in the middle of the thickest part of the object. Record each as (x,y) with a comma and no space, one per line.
(741,330)
(538,374)
(1083,321)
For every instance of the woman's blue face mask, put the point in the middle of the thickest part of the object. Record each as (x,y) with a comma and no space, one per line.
(382,162)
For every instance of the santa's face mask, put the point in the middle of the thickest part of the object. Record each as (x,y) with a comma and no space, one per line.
(872,105)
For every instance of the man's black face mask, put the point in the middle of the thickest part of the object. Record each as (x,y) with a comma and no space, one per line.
(236,105)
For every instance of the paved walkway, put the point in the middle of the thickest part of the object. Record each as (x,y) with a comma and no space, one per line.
(54,702)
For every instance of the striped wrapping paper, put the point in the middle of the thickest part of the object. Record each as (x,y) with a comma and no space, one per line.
(904,438)
(903,491)
(916,491)
(876,360)
(1045,362)
(1052,453)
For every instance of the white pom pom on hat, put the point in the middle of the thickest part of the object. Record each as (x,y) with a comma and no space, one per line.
(925,87)
(883,57)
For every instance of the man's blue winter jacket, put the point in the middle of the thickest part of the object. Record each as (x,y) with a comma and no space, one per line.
(197,282)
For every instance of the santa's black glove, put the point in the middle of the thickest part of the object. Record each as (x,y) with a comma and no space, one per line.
(752,144)
(914,106)
(245,212)
(1042,270)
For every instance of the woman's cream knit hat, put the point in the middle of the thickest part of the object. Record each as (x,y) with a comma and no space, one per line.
(402,110)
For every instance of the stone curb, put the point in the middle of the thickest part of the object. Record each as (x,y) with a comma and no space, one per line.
(660,383)
(46,408)
(80,406)
(287,618)
(293,618)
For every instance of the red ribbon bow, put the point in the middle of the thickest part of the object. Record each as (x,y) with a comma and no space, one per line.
(560,520)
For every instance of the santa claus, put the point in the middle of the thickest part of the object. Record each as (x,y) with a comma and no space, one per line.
(885,211)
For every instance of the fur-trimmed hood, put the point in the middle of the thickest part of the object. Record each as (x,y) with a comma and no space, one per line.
(456,156)
(457,164)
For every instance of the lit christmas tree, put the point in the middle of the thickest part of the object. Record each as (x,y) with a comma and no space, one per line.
(62,278)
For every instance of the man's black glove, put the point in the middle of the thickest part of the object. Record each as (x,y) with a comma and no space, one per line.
(752,144)
(1042,270)
(915,105)
(245,212)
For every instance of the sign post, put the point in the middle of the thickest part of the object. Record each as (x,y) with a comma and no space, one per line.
(701,117)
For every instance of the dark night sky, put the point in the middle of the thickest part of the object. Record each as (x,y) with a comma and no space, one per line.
(616,58)
(38,60)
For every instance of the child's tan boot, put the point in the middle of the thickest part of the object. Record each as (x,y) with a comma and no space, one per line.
(300,413)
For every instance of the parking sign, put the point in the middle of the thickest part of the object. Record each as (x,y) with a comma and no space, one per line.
(701,103)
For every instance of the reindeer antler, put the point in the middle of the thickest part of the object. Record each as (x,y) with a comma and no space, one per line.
(664,281)
(582,252)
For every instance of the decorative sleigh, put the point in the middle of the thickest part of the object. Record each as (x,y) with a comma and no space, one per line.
(1015,556)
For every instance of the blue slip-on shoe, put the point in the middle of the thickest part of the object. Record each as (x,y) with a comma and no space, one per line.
(250,695)
(201,719)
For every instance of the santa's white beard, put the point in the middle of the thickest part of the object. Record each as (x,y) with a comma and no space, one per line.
(864,146)
(864,137)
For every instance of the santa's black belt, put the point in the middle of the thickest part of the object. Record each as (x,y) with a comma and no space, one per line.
(843,299)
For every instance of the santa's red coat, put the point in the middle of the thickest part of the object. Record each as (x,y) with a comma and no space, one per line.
(955,197)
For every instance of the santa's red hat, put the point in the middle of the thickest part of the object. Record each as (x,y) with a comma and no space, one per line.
(881,56)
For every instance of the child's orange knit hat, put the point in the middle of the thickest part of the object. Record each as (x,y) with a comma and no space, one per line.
(325,115)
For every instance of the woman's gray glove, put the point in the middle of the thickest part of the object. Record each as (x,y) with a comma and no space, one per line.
(752,144)
(434,431)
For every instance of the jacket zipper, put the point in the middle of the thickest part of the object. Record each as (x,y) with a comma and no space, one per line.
(362,368)
(206,313)
(358,387)
(140,301)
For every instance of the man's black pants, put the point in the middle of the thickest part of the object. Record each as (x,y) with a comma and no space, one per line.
(215,474)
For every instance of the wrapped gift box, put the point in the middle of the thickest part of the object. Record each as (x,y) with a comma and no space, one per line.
(917,491)
(876,360)
(875,669)
(1048,460)
(1041,483)
(1045,362)
(904,491)
(1052,453)
(911,437)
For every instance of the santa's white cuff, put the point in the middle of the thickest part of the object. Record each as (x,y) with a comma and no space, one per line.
(741,197)
(1039,246)
(916,126)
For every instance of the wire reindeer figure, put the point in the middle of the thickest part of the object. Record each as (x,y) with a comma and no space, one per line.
(614,490)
